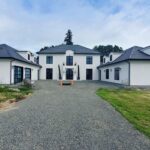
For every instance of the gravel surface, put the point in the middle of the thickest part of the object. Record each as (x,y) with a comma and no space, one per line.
(67,118)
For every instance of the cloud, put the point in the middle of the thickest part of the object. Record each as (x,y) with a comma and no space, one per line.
(26,24)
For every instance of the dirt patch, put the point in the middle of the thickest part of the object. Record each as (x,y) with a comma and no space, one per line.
(12,102)
(7,105)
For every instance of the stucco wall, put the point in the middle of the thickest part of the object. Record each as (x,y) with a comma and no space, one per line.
(140,73)
(124,76)
(81,60)
(59,59)
(4,71)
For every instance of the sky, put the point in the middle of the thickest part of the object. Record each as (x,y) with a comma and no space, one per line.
(33,24)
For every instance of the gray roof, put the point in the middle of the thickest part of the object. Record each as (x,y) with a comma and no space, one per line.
(133,53)
(61,49)
(11,53)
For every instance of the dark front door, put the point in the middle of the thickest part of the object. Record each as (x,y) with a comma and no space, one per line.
(69,74)
(18,74)
(89,74)
(100,75)
(49,73)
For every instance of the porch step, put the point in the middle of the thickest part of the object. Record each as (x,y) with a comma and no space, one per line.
(66,82)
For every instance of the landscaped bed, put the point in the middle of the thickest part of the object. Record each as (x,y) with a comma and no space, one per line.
(10,95)
(133,104)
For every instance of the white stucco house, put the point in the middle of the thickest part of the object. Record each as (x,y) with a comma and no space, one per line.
(74,62)
(15,65)
(131,68)
(69,62)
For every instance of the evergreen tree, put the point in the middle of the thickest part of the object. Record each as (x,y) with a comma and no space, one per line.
(68,38)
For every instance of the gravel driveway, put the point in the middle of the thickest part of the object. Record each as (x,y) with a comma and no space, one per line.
(67,118)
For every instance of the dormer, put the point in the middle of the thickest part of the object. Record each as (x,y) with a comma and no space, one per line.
(146,50)
(114,55)
(105,59)
(28,56)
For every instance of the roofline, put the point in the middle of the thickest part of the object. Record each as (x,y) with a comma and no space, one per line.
(65,53)
(21,61)
(118,52)
(105,65)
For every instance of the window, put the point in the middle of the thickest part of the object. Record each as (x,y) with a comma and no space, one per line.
(69,60)
(49,60)
(110,57)
(104,60)
(28,56)
(89,60)
(107,73)
(28,73)
(18,74)
(101,59)
(38,60)
(117,73)
(35,60)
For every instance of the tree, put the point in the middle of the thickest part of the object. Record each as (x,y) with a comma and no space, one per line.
(68,38)
(106,50)
(46,47)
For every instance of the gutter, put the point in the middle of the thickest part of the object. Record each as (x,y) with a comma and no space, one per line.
(129,73)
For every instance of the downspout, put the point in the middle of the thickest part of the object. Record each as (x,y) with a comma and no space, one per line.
(129,73)
(11,71)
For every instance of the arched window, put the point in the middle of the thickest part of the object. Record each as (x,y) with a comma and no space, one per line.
(104,60)
(110,57)
(28,56)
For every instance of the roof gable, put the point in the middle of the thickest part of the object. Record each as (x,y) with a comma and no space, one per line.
(9,52)
(133,53)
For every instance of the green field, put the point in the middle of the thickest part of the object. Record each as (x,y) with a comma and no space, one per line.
(133,104)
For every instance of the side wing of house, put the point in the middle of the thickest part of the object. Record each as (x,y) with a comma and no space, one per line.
(20,71)
(116,73)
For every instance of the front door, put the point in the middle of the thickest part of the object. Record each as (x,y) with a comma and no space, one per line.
(89,74)
(49,73)
(18,74)
(100,75)
(69,74)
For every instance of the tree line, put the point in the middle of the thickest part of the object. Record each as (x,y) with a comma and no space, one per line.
(103,50)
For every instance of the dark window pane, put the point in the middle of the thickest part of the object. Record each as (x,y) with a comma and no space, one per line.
(104,60)
(49,60)
(89,60)
(69,60)
(28,73)
(110,57)
(28,56)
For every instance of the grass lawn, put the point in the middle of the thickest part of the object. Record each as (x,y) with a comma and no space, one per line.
(8,93)
(133,104)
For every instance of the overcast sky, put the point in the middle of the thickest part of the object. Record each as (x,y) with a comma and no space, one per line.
(32,24)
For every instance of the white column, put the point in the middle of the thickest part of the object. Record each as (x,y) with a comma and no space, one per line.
(23,73)
(64,73)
